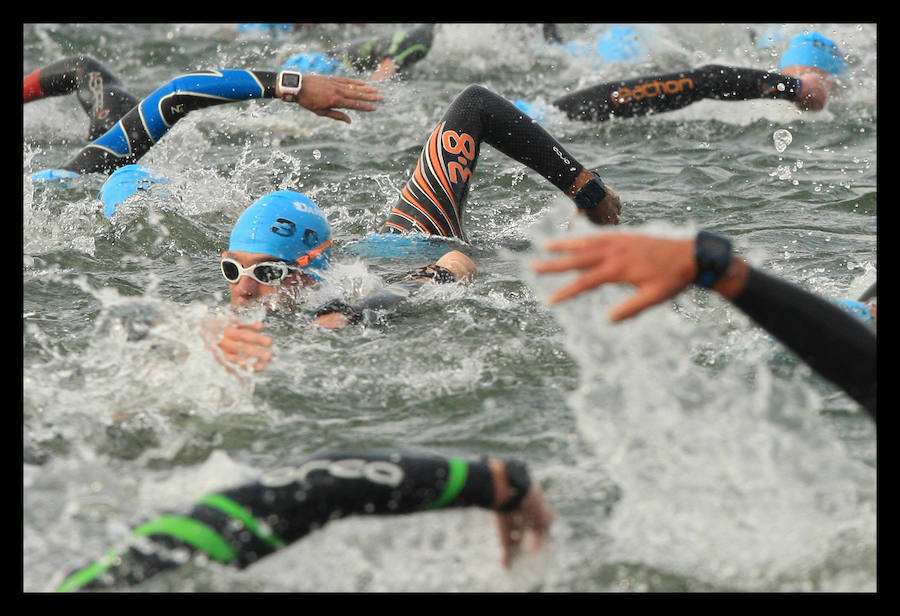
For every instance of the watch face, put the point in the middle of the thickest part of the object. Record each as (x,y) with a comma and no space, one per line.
(290,80)
(717,250)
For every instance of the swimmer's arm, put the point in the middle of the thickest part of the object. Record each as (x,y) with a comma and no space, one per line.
(339,314)
(410,47)
(139,129)
(834,343)
(239,526)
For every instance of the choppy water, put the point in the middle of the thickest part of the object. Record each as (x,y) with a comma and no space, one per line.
(684,450)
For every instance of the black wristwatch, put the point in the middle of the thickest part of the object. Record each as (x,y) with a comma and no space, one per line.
(519,483)
(713,256)
(590,194)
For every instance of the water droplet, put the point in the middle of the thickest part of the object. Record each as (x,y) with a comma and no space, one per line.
(782,139)
(317,154)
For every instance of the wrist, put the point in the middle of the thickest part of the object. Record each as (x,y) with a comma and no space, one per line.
(733,280)
(712,256)
(511,484)
(288,85)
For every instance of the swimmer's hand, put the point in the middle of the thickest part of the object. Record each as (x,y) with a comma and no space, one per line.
(659,268)
(242,344)
(332,320)
(531,521)
(604,212)
(324,95)
(386,69)
(814,86)
(607,211)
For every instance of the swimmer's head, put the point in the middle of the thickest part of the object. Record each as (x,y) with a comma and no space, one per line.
(813,50)
(860,310)
(312,62)
(124,182)
(287,225)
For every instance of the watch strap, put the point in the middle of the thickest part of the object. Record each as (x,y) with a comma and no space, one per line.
(288,85)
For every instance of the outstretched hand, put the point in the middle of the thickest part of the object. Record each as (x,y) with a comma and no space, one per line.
(324,95)
(659,268)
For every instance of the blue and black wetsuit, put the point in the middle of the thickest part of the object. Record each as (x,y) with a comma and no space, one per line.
(671,91)
(98,90)
(146,123)
(239,526)
(433,200)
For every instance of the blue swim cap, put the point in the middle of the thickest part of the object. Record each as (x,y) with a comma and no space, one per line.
(619,44)
(287,225)
(534,110)
(311,62)
(857,309)
(124,182)
(813,49)
(52,174)
(266,28)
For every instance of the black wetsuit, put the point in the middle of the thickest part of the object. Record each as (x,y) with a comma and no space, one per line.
(668,92)
(241,525)
(404,48)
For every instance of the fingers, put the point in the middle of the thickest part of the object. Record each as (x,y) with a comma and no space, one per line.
(591,279)
(242,344)
(531,522)
(638,302)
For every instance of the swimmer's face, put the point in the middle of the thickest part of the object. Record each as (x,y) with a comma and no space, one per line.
(247,289)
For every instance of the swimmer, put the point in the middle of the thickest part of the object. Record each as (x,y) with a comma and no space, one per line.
(242,525)
(433,200)
(280,245)
(382,56)
(145,122)
(835,344)
(807,73)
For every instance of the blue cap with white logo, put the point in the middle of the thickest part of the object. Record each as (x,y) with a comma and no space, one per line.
(312,62)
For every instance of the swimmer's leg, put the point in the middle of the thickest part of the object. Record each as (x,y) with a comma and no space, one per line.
(98,90)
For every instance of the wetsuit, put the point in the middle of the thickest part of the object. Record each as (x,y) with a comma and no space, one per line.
(433,199)
(644,95)
(145,124)
(834,343)
(404,48)
(99,92)
(241,525)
